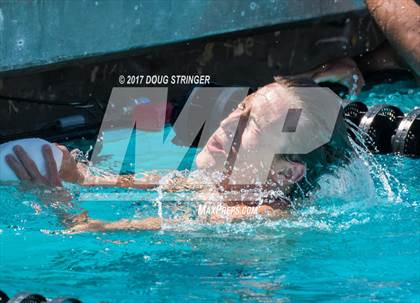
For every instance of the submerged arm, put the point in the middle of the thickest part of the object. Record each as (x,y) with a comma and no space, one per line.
(82,223)
(230,214)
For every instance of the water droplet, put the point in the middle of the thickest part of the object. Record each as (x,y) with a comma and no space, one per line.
(20,42)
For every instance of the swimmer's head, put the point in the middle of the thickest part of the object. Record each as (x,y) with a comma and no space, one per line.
(264,110)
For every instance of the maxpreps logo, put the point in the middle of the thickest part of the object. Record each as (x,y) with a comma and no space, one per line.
(126,109)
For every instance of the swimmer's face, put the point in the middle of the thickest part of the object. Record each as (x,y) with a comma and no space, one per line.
(265,108)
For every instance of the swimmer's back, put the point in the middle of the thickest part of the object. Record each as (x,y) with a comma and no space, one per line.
(33,146)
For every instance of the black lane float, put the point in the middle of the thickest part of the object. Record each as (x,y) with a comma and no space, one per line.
(385,128)
(3,297)
(354,111)
(25,297)
(406,140)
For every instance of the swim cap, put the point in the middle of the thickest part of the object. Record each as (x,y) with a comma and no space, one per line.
(33,147)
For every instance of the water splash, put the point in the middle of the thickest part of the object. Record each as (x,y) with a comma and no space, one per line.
(379,172)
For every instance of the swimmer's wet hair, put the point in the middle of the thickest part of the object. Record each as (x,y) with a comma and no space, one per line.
(290,81)
(286,81)
(338,147)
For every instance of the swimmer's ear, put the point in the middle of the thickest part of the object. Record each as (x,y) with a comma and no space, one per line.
(298,171)
(290,172)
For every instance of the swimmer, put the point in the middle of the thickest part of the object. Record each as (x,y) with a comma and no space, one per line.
(262,109)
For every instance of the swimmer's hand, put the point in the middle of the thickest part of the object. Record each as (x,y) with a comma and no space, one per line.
(48,188)
(343,71)
(27,171)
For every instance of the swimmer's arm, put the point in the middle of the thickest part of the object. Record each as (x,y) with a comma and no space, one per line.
(343,71)
(155,223)
(82,223)
(238,213)
(148,181)
(76,172)
(400,22)
(85,224)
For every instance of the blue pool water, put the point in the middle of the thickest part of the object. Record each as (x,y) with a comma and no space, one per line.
(358,241)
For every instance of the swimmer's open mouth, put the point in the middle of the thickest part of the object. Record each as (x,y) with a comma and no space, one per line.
(215,145)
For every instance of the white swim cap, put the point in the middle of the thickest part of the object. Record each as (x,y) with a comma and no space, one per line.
(33,147)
